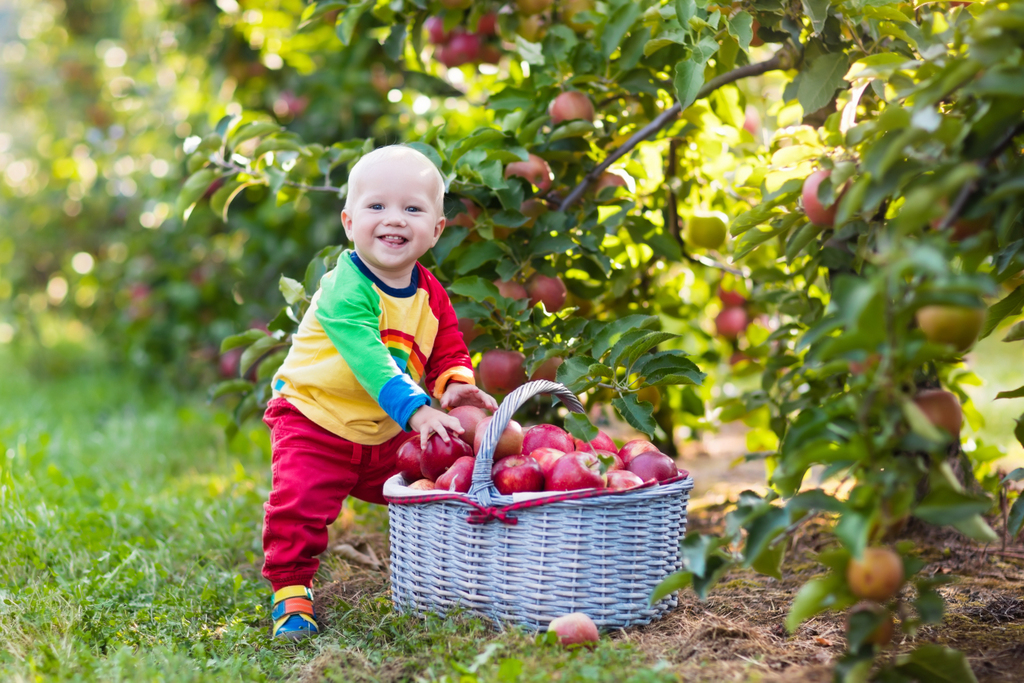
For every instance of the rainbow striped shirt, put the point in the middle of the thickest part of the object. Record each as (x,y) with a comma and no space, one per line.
(362,348)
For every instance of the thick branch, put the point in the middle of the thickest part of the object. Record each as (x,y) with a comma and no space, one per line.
(969,188)
(781,60)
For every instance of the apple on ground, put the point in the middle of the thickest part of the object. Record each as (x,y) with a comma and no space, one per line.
(546,436)
(877,576)
(438,456)
(422,485)
(816,213)
(656,466)
(957,326)
(534,169)
(707,229)
(575,471)
(501,371)
(570,106)
(407,460)
(458,477)
(517,474)
(509,443)
(621,480)
(546,458)
(633,448)
(575,629)
(548,369)
(942,408)
(601,442)
(549,290)
(469,417)
(731,322)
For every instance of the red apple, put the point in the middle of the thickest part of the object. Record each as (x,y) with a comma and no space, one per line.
(633,448)
(490,54)
(469,417)
(546,436)
(407,461)
(608,179)
(731,322)
(422,485)
(466,219)
(575,471)
(516,474)
(575,629)
(755,41)
(601,442)
(547,370)
(617,463)
(509,443)
(731,299)
(816,213)
(570,106)
(620,480)
(511,289)
(656,466)
(501,371)
(469,329)
(546,457)
(488,24)
(752,122)
(438,456)
(435,27)
(458,477)
(463,48)
(549,290)
(534,169)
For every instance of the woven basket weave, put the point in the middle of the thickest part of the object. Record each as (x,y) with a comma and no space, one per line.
(527,562)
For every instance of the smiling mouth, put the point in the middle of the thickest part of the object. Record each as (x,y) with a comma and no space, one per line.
(393,240)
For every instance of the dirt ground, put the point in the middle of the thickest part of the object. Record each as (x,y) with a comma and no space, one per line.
(738,633)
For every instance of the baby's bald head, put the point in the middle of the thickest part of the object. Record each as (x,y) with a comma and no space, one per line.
(397,154)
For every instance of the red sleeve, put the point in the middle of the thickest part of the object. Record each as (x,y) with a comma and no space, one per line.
(449,359)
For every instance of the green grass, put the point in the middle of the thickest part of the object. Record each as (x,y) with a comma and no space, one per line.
(130,551)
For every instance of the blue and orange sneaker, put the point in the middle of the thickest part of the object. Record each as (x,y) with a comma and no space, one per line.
(293,614)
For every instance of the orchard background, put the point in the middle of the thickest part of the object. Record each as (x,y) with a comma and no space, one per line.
(171,175)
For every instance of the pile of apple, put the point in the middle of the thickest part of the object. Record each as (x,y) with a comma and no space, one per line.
(459,46)
(543,457)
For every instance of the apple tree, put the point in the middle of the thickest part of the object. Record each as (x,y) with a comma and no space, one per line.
(865,160)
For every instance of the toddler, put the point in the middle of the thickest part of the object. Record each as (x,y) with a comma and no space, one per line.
(349,389)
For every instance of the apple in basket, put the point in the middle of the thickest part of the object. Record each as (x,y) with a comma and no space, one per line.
(575,629)
(620,480)
(438,456)
(516,474)
(616,463)
(458,477)
(576,470)
(657,466)
(422,485)
(509,443)
(601,442)
(407,461)
(546,436)
(469,417)
(546,457)
(630,449)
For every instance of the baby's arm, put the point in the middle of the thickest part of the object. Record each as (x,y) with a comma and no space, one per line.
(458,394)
(427,420)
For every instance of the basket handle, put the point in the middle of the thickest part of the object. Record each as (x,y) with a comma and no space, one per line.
(482,486)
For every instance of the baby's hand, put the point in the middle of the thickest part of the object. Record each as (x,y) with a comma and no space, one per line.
(426,420)
(457,394)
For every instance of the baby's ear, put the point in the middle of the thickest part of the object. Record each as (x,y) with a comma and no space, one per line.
(439,228)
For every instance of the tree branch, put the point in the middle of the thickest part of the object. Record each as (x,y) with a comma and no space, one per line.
(781,60)
(227,165)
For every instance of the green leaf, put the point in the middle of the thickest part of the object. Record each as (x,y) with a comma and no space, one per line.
(762,530)
(572,129)
(253,129)
(194,188)
(921,425)
(618,24)
(475,288)
(613,331)
(1011,305)
(945,506)
(977,528)
(769,561)
(667,368)
(256,351)
(689,78)
(741,26)
(817,11)
(574,372)
(477,255)
(931,663)
(292,290)
(814,597)
(1015,475)
(347,22)
(579,425)
(632,353)
(670,584)
(1016,393)
(636,412)
(477,138)
(231,386)
(1016,332)
(243,339)
(820,82)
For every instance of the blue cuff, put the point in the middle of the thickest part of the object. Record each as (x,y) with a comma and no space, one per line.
(400,398)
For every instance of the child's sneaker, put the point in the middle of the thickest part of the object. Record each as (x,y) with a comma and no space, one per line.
(293,613)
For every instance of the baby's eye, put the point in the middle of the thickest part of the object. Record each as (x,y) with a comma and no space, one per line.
(413,208)
(376,207)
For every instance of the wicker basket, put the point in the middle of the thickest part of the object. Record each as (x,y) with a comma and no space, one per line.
(529,558)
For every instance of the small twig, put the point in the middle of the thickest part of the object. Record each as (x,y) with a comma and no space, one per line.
(667,116)
(302,186)
(969,188)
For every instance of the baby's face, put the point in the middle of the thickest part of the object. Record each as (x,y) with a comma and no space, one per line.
(393,218)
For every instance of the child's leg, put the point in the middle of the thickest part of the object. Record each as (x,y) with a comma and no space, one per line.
(312,473)
(379,464)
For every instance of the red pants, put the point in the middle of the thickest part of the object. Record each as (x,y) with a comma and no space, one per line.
(313,471)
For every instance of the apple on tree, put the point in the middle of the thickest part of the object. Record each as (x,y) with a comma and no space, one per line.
(706,229)
(731,322)
(816,213)
(957,326)
(467,218)
(942,408)
(569,106)
(877,576)
(510,289)
(529,7)
(548,369)
(535,170)
(501,371)
(550,291)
